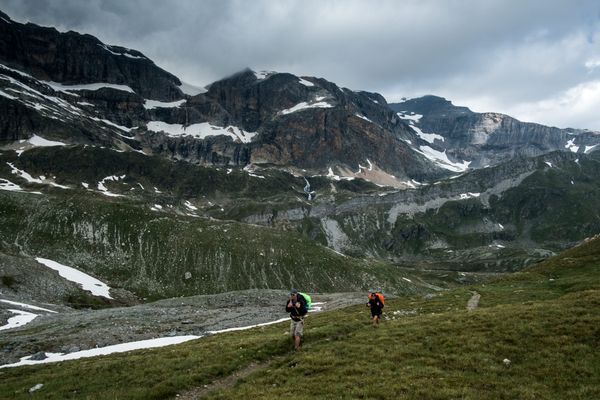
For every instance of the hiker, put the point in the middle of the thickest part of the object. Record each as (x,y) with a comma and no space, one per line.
(297,308)
(376,303)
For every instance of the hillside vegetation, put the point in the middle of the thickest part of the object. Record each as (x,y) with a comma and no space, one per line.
(535,335)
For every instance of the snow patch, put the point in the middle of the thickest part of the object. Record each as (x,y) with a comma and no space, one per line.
(590,148)
(428,137)
(250,170)
(138,345)
(108,48)
(39,141)
(152,104)
(305,82)
(190,206)
(410,117)
(8,96)
(107,122)
(7,185)
(442,160)
(15,70)
(27,176)
(102,188)
(571,146)
(86,281)
(317,306)
(102,351)
(201,131)
(316,103)
(548,163)
(59,87)
(23,305)
(335,177)
(469,195)
(22,318)
(363,117)
(263,74)
(243,328)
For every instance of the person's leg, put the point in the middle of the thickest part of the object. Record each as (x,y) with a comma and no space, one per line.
(297,343)
(293,332)
(299,333)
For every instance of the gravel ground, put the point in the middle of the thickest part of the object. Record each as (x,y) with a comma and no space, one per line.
(71,331)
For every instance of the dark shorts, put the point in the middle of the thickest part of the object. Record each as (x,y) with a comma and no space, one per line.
(376,313)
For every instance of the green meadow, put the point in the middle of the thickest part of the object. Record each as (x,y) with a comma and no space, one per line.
(535,335)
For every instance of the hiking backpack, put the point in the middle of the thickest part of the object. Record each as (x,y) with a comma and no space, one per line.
(307,299)
(380,297)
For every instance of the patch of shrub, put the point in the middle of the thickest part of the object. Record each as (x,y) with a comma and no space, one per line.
(8,280)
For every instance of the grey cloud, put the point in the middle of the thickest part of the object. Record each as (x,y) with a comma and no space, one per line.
(509,50)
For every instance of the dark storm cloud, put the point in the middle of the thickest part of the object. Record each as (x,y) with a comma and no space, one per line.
(533,59)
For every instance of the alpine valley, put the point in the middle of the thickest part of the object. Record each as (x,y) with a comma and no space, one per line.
(231,194)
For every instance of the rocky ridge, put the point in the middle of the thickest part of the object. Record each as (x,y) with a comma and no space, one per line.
(485,139)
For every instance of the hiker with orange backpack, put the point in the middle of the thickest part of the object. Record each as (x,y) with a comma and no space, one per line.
(376,302)
(297,307)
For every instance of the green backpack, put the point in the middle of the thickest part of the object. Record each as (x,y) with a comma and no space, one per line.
(307,299)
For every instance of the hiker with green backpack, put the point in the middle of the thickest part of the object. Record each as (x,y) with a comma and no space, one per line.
(298,305)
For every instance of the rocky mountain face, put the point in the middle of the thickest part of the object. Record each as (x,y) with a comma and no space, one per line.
(264,180)
(484,139)
(71,58)
(74,88)
(304,123)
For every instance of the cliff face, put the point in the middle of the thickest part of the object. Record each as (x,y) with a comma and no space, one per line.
(76,89)
(303,122)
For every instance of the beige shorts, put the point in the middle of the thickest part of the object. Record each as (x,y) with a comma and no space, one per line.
(297,328)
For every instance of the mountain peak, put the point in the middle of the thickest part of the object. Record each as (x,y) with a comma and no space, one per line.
(5,18)
(430,104)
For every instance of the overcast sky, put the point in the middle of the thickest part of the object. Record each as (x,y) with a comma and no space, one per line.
(538,61)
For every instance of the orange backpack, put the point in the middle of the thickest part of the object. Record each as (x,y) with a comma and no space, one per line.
(379,296)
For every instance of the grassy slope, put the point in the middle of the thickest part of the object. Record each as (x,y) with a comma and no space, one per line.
(149,253)
(545,320)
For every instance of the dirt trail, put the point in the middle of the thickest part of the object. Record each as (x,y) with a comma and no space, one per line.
(473,302)
(224,383)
